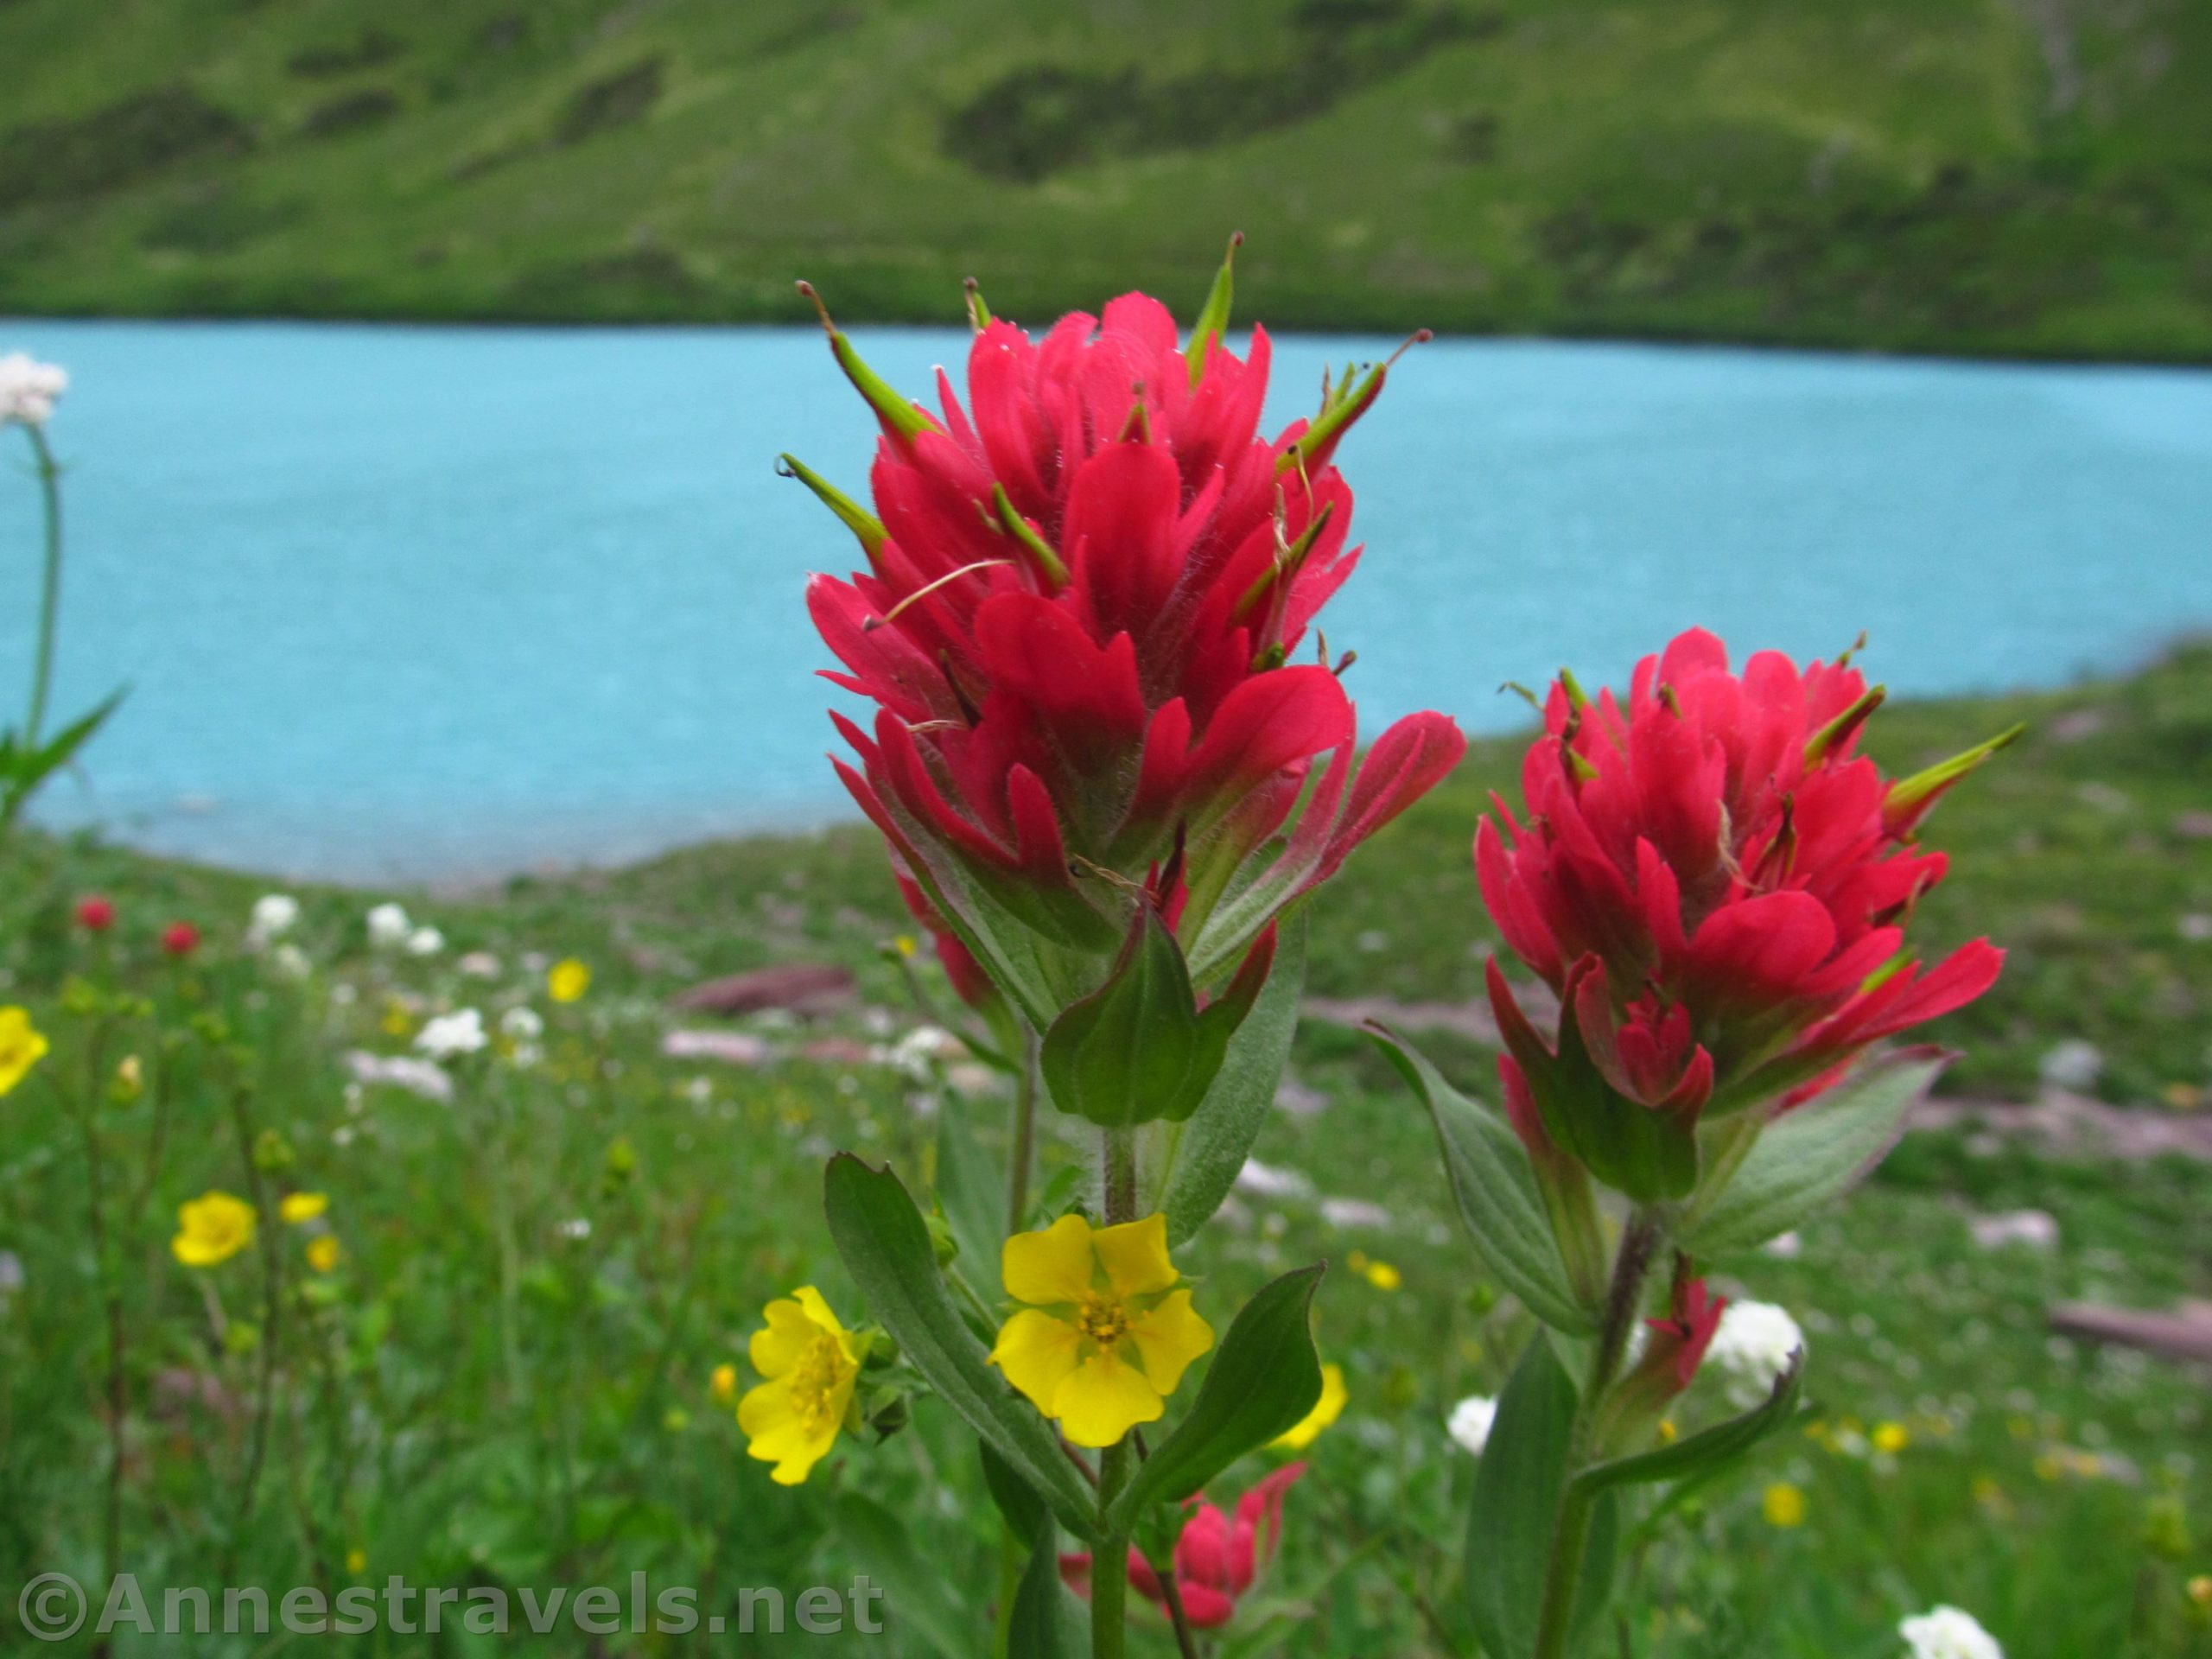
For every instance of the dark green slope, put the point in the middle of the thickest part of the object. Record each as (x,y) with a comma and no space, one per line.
(1988,175)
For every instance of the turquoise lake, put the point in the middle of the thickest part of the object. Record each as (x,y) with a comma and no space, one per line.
(439,603)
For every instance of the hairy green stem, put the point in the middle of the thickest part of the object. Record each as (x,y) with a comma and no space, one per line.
(49,602)
(1571,1531)
(1110,1562)
(1024,1136)
(272,1315)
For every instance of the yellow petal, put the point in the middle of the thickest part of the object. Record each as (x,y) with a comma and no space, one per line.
(776,1433)
(1326,1410)
(1168,1338)
(1104,1400)
(1053,1266)
(1135,1255)
(783,1341)
(818,1311)
(1037,1353)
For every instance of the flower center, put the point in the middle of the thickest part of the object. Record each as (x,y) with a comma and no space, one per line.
(1101,1318)
(815,1379)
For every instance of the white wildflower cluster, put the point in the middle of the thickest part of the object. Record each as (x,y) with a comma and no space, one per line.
(1947,1633)
(449,1035)
(1751,1348)
(1470,1423)
(29,389)
(275,914)
(388,927)
(523,1027)
(391,929)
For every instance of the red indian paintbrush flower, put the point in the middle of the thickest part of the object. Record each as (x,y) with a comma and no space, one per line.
(180,939)
(1217,1557)
(96,913)
(1083,595)
(1717,885)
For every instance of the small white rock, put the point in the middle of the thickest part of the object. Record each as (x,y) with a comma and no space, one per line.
(2073,1064)
(2037,1228)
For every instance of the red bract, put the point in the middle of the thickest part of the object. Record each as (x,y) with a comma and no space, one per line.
(1678,1341)
(1716,882)
(95,913)
(969,982)
(180,938)
(1216,1559)
(1082,599)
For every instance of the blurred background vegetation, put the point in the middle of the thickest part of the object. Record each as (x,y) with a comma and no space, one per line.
(2012,176)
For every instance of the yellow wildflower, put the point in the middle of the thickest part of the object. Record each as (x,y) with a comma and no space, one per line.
(1669,1433)
(568,980)
(302,1206)
(130,1080)
(1384,1276)
(1783,1505)
(723,1384)
(2200,1589)
(213,1228)
(1891,1438)
(397,1022)
(21,1047)
(357,1561)
(809,1362)
(1326,1410)
(1108,1331)
(907,944)
(323,1253)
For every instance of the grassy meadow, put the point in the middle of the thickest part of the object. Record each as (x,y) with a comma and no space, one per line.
(507,1375)
(1926,174)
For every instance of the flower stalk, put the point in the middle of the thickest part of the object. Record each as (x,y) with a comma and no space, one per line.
(48,473)
(1571,1533)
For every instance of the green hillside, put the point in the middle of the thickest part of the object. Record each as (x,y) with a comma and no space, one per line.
(2028,177)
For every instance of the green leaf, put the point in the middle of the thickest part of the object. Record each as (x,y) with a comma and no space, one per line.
(1516,1506)
(1496,1188)
(1809,1156)
(917,1592)
(885,1247)
(1204,1156)
(1039,1623)
(27,768)
(1707,1451)
(1261,1384)
(1137,1049)
(971,1188)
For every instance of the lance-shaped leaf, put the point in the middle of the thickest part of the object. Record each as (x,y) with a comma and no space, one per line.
(1515,1511)
(24,769)
(1263,1383)
(885,1247)
(1204,1157)
(1496,1191)
(916,1587)
(1038,1624)
(1810,1156)
(1710,1451)
(1139,1049)
(971,1188)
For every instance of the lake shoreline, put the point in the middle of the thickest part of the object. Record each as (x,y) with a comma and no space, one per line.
(1324,322)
